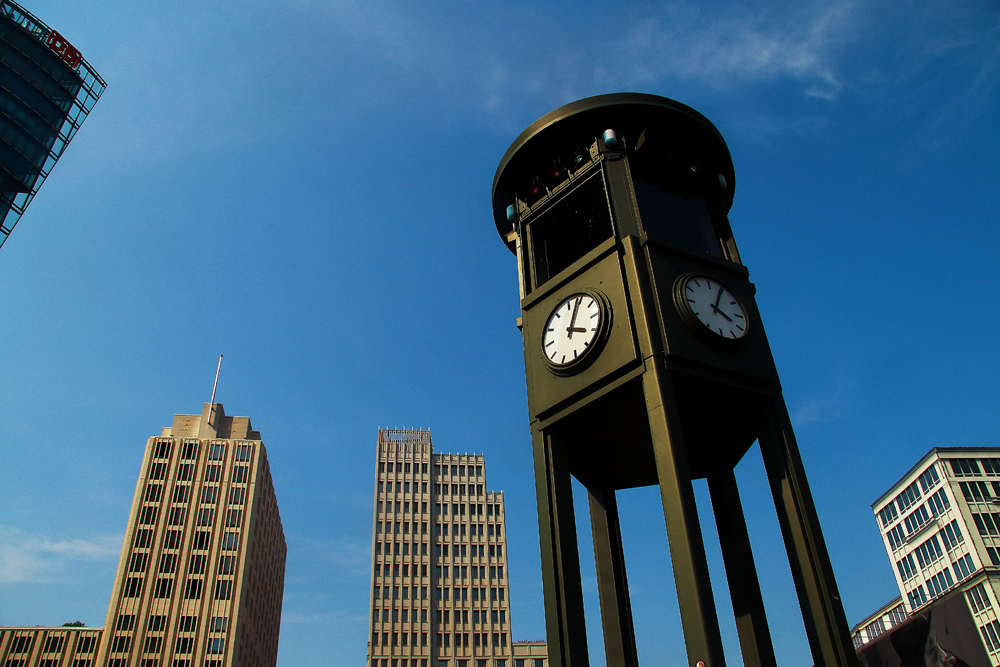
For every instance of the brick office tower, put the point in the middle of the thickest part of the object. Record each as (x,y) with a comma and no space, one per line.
(439,556)
(201,575)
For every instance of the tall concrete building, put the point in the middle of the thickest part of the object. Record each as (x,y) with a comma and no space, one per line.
(201,573)
(940,524)
(439,559)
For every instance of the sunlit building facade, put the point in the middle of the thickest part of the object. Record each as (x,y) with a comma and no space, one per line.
(940,525)
(439,594)
(201,574)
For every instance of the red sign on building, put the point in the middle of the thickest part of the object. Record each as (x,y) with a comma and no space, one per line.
(65,50)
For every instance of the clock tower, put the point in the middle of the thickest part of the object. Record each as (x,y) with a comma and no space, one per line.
(647,363)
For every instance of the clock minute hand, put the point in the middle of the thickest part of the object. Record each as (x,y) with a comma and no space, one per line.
(719,312)
(576,308)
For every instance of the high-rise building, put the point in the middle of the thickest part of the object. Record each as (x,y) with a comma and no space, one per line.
(940,524)
(48,90)
(439,559)
(201,574)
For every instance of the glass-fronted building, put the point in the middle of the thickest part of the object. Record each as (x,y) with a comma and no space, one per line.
(47,89)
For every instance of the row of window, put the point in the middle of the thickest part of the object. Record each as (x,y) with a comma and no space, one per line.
(183,645)
(988,523)
(991,635)
(164,588)
(81,662)
(403,467)
(908,496)
(405,548)
(970,467)
(213,473)
(459,529)
(53,644)
(159,623)
(462,572)
(458,509)
(461,594)
(189,451)
(479,639)
(202,540)
(441,616)
(963,565)
(400,506)
(458,470)
(209,494)
(938,504)
(980,492)
(978,599)
(402,487)
(168,563)
(458,489)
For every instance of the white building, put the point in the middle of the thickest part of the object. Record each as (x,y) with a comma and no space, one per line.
(940,524)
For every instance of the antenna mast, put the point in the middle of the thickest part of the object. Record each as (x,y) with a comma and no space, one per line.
(214,387)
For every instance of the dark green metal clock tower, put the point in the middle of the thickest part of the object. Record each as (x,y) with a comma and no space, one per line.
(647,363)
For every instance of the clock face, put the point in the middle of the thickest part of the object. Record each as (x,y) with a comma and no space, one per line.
(715,309)
(572,330)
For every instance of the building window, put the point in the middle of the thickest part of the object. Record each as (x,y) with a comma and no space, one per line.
(243,452)
(216,452)
(963,567)
(227,564)
(196,565)
(978,599)
(184,645)
(168,563)
(209,494)
(218,624)
(188,624)
(153,493)
(192,589)
(991,635)
(202,540)
(120,644)
(206,515)
(217,645)
(240,474)
(133,587)
(177,515)
(230,541)
(928,552)
(236,495)
(928,478)
(887,514)
(234,518)
(987,523)
(964,467)
(939,503)
(951,535)
(223,589)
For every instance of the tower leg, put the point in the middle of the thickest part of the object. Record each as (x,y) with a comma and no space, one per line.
(612,582)
(565,624)
(687,550)
(822,610)
(744,587)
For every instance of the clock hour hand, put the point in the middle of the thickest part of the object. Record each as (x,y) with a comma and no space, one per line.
(577,329)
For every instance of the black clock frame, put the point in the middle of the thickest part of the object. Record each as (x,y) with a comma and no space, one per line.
(594,350)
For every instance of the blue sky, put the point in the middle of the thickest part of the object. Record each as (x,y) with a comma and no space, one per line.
(304,186)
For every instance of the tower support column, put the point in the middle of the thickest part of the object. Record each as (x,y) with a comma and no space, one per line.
(565,622)
(687,549)
(812,572)
(744,587)
(612,582)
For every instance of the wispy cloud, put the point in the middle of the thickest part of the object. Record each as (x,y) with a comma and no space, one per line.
(27,557)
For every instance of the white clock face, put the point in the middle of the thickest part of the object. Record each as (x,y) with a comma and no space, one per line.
(571,329)
(716,307)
